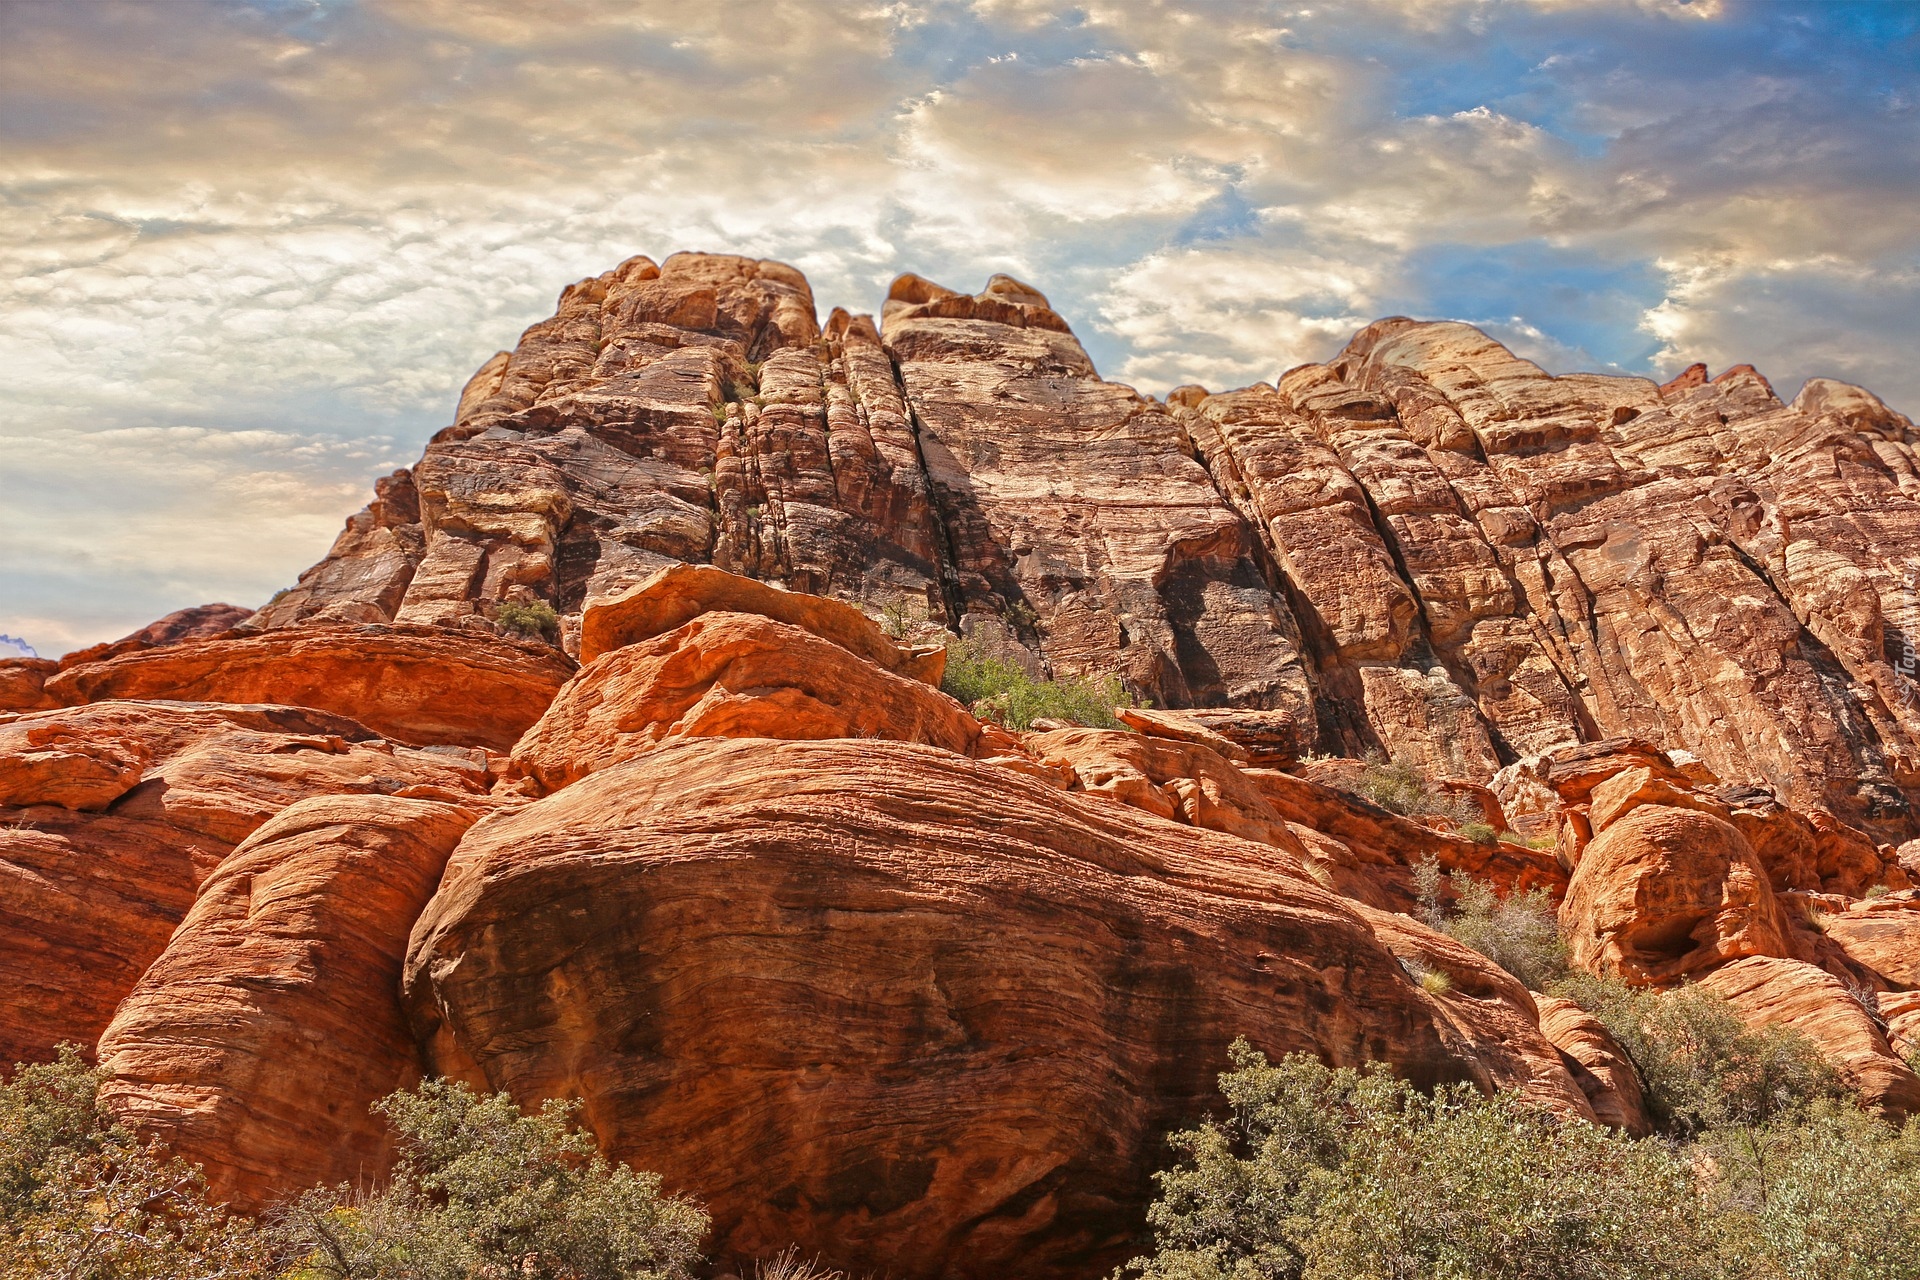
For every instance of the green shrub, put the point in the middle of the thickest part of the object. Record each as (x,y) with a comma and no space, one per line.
(1480,832)
(82,1198)
(536,621)
(1323,1174)
(1519,932)
(1831,1198)
(482,1190)
(1702,1066)
(1402,787)
(1003,692)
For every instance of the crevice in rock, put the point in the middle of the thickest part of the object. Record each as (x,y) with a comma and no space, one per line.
(947,570)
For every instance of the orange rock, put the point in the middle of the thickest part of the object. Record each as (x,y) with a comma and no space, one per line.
(1770,991)
(422,685)
(86,903)
(1395,845)
(1666,892)
(680,593)
(256,1042)
(1883,937)
(1598,1064)
(900,1007)
(731,675)
(202,622)
(88,899)
(1169,778)
(1628,790)
(1496,1019)
(1269,739)
(23,681)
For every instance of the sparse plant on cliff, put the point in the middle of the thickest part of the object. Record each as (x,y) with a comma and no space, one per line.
(535,621)
(1403,787)
(1520,932)
(481,1189)
(82,1198)
(1000,690)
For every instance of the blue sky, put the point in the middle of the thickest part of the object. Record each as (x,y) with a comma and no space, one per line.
(251,250)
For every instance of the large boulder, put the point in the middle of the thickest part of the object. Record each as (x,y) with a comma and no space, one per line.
(415,684)
(258,1039)
(731,675)
(913,1011)
(1665,892)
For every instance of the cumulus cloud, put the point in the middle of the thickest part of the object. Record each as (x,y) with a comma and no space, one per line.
(256,248)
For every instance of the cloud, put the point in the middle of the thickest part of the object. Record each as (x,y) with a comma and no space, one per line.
(313,218)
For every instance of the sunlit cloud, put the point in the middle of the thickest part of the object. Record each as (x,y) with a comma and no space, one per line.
(255,249)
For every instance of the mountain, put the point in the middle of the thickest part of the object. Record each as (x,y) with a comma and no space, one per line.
(606,755)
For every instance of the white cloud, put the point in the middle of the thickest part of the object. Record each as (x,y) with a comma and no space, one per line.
(221,220)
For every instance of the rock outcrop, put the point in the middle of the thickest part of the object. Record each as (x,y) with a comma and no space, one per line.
(605,756)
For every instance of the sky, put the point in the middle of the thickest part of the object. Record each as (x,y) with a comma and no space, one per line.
(249,252)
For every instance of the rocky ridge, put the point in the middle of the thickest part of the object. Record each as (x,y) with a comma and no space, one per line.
(865,973)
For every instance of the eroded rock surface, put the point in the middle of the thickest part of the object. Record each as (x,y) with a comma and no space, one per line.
(911,1010)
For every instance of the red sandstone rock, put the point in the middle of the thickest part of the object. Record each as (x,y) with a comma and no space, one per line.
(88,899)
(202,622)
(731,675)
(909,1010)
(421,685)
(258,1039)
(681,593)
(1769,991)
(23,681)
(1598,1064)
(1667,892)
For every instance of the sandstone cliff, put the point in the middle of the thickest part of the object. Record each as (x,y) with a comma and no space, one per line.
(1426,546)
(866,973)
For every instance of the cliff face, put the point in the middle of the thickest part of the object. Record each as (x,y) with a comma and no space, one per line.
(1427,546)
(866,973)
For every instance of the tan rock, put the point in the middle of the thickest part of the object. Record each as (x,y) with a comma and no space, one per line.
(258,1039)
(731,675)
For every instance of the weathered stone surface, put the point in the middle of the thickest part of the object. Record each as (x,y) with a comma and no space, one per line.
(201,622)
(1597,1063)
(421,685)
(731,675)
(1770,991)
(23,681)
(1667,892)
(88,898)
(681,593)
(1080,526)
(256,1042)
(909,1010)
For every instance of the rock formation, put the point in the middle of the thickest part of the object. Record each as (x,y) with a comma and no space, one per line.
(605,756)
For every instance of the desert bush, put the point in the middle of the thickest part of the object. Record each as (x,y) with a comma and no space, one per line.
(536,621)
(1831,1197)
(1520,932)
(1702,1066)
(998,690)
(481,1189)
(82,1198)
(1402,787)
(1323,1174)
